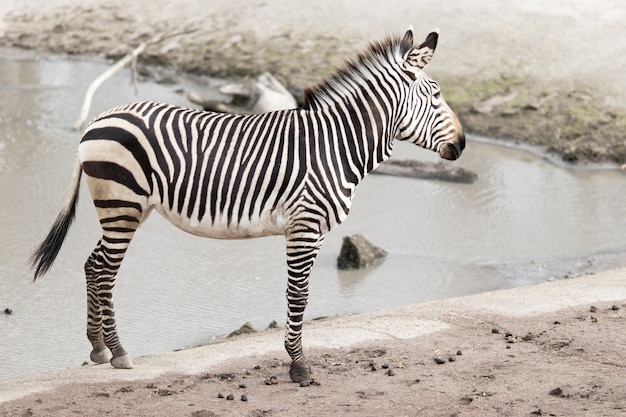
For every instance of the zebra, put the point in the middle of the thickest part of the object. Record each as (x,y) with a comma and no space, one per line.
(228,176)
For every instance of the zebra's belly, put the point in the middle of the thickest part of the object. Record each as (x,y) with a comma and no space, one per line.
(268,224)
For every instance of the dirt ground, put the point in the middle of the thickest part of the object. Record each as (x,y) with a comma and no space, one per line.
(509,73)
(567,363)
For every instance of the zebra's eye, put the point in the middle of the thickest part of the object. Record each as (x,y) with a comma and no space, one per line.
(437,95)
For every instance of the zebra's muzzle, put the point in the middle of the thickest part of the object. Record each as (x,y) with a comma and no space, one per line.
(453,150)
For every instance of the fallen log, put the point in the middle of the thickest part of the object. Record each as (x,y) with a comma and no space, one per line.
(424,170)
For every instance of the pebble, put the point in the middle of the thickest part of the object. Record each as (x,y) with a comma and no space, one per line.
(613,307)
(557,322)
(8,311)
(390,372)
(384,366)
(494,330)
(439,361)
(220,395)
(242,386)
(305,383)
(272,380)
(244,397)
(593,309)
(451,359)
(230,397)
(459,353)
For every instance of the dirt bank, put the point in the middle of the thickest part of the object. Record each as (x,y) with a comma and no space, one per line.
(541,74)
(546,350)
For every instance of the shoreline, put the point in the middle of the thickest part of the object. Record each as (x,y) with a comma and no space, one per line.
(552,326)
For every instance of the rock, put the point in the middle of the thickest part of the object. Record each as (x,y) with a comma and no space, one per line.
(250,96)
(245,328)
(357,252)
(430,171)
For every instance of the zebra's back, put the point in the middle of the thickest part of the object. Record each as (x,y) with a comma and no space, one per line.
(211,174)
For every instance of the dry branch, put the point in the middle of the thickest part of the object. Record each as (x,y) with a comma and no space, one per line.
(128,58)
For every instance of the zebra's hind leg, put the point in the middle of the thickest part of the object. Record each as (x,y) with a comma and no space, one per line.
(302,249)
(100,353)
(101,270)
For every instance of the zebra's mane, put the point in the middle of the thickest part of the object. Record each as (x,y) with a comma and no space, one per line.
(386,52)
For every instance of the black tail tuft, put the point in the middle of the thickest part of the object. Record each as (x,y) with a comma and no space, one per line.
(44,256)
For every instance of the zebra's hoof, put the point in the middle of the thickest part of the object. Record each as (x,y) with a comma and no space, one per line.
(122,362)
(300,371)
(101,356)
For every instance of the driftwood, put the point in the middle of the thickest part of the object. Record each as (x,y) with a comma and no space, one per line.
(131,58)
(432,171)
(261,95)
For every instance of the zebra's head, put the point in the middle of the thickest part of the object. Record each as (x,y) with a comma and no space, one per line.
(426,119)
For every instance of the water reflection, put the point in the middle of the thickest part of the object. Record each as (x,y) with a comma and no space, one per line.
(524,221)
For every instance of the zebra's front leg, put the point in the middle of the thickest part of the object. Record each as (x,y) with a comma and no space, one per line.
(302,248)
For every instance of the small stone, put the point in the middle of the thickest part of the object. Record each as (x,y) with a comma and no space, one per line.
(451,359)
(230,397)
(244,329)
(220,395)
(384,366)
(556,392)
(459,353)
(242,386)
(8,311)
(594,319)
(494,330)
(272,380)
(439,361)
(390,372)
(244,397)
(593,309)
(613,307)
(557,322)
(305,383)
(508,334)
(373,367)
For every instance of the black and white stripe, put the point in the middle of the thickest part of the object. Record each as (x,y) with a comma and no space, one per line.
(290,172)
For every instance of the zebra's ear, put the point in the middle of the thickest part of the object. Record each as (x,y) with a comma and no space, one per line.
(406,44)
(419,57)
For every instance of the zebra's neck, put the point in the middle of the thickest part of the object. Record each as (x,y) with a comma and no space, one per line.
(351,138)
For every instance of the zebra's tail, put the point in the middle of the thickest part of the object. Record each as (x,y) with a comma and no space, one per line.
(43,257)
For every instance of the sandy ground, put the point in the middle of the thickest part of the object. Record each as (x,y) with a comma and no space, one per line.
(543,74)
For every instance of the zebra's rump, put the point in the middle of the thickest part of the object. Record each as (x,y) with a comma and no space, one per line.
(211,174)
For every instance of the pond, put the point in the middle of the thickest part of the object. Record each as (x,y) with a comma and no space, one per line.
(524,221)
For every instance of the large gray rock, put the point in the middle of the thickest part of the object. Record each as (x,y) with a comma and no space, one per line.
(358,252)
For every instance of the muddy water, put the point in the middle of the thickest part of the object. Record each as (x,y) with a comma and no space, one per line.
(524,221)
